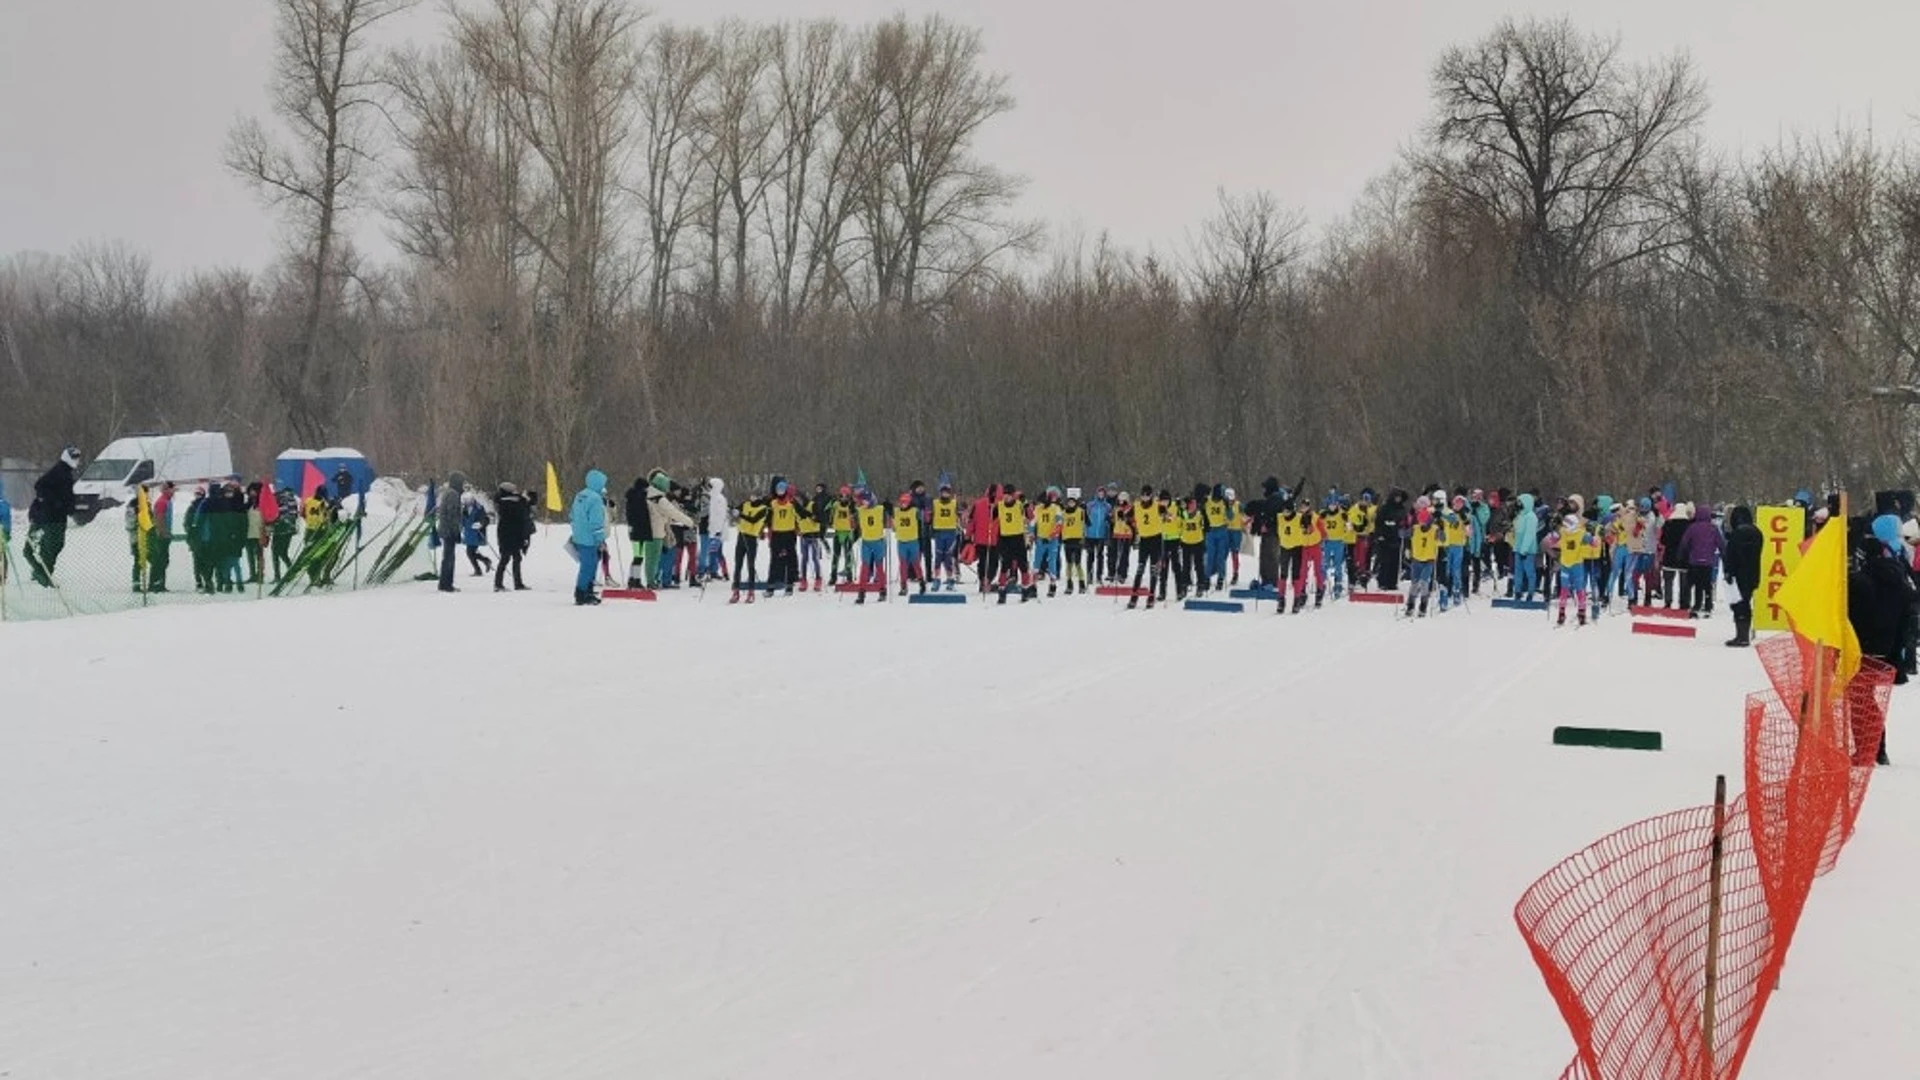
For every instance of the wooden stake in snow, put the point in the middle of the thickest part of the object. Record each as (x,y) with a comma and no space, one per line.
(1714,891)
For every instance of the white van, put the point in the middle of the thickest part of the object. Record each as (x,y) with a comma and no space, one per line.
(110,478)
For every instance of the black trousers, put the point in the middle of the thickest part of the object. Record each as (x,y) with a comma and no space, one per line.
(1387,555)
(745,552)
(509,556)
(785,567)
(1152,565)
(447,550)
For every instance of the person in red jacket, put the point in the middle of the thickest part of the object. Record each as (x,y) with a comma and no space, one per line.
(983,532)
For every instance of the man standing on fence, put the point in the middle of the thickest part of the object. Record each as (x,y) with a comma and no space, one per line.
(47,516)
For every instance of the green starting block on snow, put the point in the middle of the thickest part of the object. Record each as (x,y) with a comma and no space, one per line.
(1606,738)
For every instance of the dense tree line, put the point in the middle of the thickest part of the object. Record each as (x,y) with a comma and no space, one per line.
(750,248)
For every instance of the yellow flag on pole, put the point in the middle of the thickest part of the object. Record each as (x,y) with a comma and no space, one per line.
(1814,598)
(554,502)
(146,512)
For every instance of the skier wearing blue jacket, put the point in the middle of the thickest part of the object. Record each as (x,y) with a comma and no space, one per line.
(6,533)
(589,521)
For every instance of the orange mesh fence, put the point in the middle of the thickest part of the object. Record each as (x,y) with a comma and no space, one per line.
(1620,933)
(1620,930)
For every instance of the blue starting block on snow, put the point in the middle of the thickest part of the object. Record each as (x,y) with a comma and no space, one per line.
(937,598)
(1520,605)
(1230,607)
(1257,592)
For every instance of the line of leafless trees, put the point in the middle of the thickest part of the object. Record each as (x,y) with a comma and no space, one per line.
(745,249)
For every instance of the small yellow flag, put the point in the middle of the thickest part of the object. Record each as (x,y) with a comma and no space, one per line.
(1814,598)
(554,503)
(146,512)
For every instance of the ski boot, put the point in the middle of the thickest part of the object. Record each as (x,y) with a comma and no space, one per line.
(1562,620)
(735,598)
(751,590)
(1003,595)
(1423,607)
(1318,596)
(1031,592)
(1583,617)
(903,586)
(1299,603)
(803,584)
(922,582)
(1053,589)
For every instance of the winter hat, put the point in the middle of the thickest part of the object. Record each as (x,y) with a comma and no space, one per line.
(70,457)
(1420,505)
(717,486)
(779,486)
(1886,529)
(1459,502)
(1820,515)
(1228,494)
(507,488)
(1270,485)
(1571,523)
(658,480)
(1646,505)
(1579,504)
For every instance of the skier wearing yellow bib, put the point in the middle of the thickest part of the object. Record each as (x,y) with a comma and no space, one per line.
(870,518)
(906,543)
(945,521)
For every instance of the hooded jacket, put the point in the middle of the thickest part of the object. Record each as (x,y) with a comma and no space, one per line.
(516,520)
(447,513)
(1744,547)
(1880,599)
(1672,535)
(717,508)
(662,513)
(52,496)
(1526,528)
(1702,544)
(589,514)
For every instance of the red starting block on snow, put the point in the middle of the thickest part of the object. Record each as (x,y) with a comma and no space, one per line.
(1377,598)
(1660,613)
(628,594)
(856,587)
(1118,590)
(1663,629)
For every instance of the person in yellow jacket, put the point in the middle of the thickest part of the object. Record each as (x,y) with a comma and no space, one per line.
(870,523)
(1149,537)
(1190,572)
(906,543)
(1011,515)
(1047,518)
(746,546)
(1337,527)
(1423,555)
(1236,535)
(1575,546)
(1308,557)
(1120,538)
(811,530)
(1073,540)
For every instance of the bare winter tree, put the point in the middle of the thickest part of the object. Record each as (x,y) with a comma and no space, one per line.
(675,67)
(932,212)
(1545,127)
(1235,278)
(325,91)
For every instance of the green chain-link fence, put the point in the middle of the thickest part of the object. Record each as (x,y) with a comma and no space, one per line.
(197,556)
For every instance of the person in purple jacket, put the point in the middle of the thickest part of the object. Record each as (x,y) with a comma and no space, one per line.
(1701,547)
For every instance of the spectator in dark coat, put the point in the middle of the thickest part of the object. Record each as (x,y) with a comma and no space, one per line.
(47,516)
(1880,601)
(447,526)
(514,533)
(1673,559)
(1744,546)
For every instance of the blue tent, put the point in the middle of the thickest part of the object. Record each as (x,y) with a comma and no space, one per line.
(290,467)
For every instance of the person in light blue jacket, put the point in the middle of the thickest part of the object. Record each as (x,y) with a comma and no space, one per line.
(6,533)
(589,521)
(1099,528)
(1526,550)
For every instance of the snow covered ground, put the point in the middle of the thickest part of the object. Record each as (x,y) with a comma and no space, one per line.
(403,835)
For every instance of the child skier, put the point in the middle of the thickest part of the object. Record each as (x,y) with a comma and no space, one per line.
(1338,528)
(870,518)
(746,547)
(1311,559)
(1423,551)
(1073,540)
(1236,534)
(1453,538)
(945,520)
(842,523)
(1011,517)
(1213,509)
(1572,545)
(783,538)
(1147,528)
(1190,571)
(1046,539)
(906,542)
(811,512)
(1120,539)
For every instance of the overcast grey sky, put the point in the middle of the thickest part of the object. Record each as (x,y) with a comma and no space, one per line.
(113,112)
